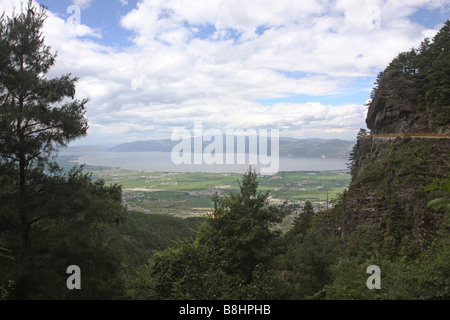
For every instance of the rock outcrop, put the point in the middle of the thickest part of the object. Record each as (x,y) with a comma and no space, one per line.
(412,93)
(407,150)
(394,109)
(391,176)
(399,106)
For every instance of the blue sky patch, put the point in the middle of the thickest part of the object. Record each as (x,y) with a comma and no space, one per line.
(203,31)
(430,18)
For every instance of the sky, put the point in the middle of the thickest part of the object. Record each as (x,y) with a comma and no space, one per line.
(305,68)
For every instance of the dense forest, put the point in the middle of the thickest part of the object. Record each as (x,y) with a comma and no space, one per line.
(394,215)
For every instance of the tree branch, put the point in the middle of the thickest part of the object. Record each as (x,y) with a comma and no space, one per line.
(40,130)
(32,157)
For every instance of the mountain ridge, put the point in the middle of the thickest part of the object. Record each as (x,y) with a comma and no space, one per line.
(288,147)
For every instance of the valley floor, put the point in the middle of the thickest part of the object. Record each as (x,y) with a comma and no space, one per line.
(189,194)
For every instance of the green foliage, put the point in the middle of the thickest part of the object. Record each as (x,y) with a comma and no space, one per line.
(383,220)
(74,223)
(241,226)
(49,220)
(424,277)
(349,281)
(306,268)
(408,272)
(230,257)
(409,242)
(444,201)
(364,242)
(398,223)
(355,153)
(426,71)
(145,234)
(303,222)
(314,257)
(191,271)
(34,114)
(373,172)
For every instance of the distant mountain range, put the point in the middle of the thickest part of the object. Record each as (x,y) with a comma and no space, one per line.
(289,147)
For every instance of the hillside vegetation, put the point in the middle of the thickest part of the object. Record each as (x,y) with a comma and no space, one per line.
(394,216)
(412,94)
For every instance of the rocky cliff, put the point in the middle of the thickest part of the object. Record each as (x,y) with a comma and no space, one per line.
(390,179)
(398,107)
(408,149)
(412,94)
(394,108)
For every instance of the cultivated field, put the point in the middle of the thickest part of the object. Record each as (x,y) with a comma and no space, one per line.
(189,194)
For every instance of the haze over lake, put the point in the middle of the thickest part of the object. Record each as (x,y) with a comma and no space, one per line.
(161,161)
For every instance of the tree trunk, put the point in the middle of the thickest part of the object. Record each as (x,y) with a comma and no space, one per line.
(22,181)
(22,201)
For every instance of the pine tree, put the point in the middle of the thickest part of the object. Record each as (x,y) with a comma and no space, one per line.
(37,114)
(304,221)
(241,227)
(49,219)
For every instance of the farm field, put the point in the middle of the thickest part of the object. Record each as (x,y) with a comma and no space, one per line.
(189,194)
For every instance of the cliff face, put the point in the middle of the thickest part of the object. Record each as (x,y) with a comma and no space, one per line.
(391,176)
(384,218)
(394,109)
(411,108)
(412,93)
(399,107)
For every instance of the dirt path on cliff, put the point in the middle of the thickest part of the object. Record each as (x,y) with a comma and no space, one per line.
(392,136)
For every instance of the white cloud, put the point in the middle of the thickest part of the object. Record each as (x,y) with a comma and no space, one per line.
(82,3)
(210,61)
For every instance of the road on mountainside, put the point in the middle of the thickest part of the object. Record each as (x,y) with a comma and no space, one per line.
(391,136)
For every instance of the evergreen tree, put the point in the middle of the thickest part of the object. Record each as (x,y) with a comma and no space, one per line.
(36,113)
(354,154)
(425,71)
(48,220)
(229,259)
(304,221)
(241,227)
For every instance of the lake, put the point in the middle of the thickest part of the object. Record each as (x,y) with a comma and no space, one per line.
(161,161)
